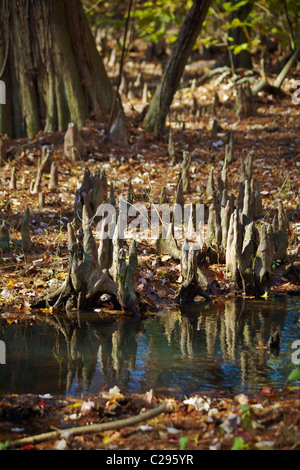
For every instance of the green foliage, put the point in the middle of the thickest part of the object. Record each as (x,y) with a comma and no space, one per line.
(276,263)
(266,18)
(183,442)
(153,19)
(4,445)
(240,445)
(161,19)
(248,416)
(294,375)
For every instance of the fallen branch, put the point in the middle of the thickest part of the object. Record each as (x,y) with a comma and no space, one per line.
(93,428)
(274,89)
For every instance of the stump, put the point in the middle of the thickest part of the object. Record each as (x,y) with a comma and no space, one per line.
(190,287)
(245,106)
(85,281)
(73,145)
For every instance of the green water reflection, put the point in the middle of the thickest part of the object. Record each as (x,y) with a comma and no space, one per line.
(199,348)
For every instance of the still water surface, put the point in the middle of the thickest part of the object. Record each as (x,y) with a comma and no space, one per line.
(200,348)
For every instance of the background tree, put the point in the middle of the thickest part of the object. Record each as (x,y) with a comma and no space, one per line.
(240,34)
(51,67)
(181,51)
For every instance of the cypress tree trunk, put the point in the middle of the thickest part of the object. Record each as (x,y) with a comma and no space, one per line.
(51,67)
(163,96)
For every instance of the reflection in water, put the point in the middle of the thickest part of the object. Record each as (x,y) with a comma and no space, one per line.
(202,346)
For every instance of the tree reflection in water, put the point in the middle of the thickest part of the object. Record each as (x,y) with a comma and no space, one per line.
(217,345)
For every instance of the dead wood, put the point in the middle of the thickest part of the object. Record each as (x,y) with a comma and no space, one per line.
(94,428)
(43,161)
(244,105)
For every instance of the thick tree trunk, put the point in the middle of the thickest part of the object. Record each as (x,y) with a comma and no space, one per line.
(51,67)
(163,96)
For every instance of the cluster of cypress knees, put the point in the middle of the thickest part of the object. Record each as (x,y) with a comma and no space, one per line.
(237,235)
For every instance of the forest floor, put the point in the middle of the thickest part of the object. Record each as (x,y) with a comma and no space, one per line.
(273,136)
(267,421)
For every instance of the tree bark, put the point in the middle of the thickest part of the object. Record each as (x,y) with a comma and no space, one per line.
(163,96)
(51,67)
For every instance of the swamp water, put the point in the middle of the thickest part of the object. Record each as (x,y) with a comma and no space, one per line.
(203,347)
